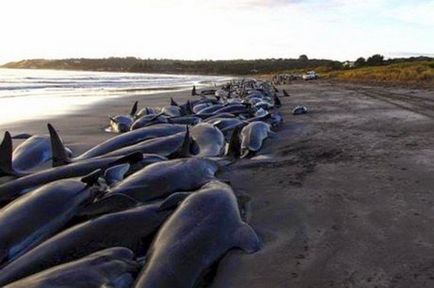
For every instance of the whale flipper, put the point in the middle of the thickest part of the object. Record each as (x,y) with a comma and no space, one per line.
(246,239)
(116,173)
(60,156)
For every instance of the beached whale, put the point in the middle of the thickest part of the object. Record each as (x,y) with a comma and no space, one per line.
(222,123)
(204,227)
(299,110)
(172,111)
(122,123)
(132,229)
(253,136)
(113,267)
(148,111)
(164,178)
(235,108)
(40,214)
(117,142)
(210,109)
(208,139)
(186,120)
(149,120)
(177,145)
(33,152)
(20,186)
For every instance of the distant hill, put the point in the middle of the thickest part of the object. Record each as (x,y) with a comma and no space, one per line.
(221,67)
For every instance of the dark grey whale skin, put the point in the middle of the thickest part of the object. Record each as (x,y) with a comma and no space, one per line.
(131,229)
(163,146)
(253,136)
(131,138)
(209,139)
(204,227)
(113,267)
(18,187)
(38,215)
(31,153)
(163,178)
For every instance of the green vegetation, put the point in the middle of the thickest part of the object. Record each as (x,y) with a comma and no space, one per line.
(418,72)
(373,69)
(223,67)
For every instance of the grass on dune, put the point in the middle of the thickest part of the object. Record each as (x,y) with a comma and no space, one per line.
(409,72)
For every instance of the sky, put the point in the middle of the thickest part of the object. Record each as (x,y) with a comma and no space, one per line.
(215,29)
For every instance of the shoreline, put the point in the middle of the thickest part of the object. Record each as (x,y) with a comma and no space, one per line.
(83,128)
(126,72)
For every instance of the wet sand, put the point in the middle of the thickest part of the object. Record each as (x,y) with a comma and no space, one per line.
(344,197)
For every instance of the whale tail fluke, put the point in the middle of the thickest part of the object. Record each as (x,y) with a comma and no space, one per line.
(60,154)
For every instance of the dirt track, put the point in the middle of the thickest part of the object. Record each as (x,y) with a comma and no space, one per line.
(347,198)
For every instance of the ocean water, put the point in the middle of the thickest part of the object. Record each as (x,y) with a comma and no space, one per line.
(27,94)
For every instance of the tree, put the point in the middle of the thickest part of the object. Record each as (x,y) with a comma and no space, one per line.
(360,62)
(375,60)
(303,58)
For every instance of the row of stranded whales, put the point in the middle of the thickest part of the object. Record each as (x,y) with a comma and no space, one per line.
(144,208)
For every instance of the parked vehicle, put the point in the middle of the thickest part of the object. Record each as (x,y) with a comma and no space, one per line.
(311,75)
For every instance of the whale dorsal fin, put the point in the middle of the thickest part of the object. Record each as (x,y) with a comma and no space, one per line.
(173,102)
(60,156)
(234,148)
(188,107)
(134,109)
(246,239)
(6,155)
(277,102)
(184,150)
(116,173)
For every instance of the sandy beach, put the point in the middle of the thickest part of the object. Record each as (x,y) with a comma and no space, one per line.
(342,196)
